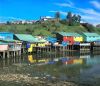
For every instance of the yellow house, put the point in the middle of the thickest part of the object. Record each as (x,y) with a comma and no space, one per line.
(37,43)
(41,45)
(41,42)
(30,49)
(77,37)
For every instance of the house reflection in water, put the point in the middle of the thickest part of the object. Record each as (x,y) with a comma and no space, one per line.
(65,58)
(68,58)
(31,59)
(10,61)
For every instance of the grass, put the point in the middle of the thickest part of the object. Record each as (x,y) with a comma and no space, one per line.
(46,28)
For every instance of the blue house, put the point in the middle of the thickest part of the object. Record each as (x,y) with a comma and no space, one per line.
(6,36)
(90,37)
(51,40)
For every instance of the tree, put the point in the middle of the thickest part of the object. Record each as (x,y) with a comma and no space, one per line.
(57,16)
(98,26)
(74,20)
(8,22)
(69,18)
(79,18)
(89,27)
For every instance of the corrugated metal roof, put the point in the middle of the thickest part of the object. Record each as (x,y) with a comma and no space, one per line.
(91,34)
(6,33)
(26,37)
(70,34)
(42,40)
(9,40)
(3,43)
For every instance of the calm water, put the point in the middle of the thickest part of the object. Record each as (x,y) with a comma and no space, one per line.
(79,67)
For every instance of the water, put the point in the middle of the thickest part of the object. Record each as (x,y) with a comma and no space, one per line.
(82,68)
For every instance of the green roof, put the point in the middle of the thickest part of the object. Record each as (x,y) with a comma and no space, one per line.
(9,40)
(91,34)
(70,34)
(42,40)
(26,37)
(3,43)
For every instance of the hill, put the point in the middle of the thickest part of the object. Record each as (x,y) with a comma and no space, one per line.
(46,28)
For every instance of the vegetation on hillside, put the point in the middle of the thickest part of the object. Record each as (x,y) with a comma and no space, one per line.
(50,27)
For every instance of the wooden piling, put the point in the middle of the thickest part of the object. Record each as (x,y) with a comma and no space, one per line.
(4,54)
(8,54)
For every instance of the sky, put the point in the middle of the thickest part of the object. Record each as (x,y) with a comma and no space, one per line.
(33,9)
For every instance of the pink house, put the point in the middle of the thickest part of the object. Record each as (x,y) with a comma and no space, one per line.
(3,47)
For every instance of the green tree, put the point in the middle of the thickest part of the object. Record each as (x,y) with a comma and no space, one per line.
(57,16)
(69,18)
(90,27)
(74,19)
(8,22)
(79,18)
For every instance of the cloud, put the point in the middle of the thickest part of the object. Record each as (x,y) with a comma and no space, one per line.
(66,4)
(4,19)
(91,18)
(71,3)
(95,4)
(63,4)
(89,11)
(61,12)
(90,15)
(14,18)
(53,11)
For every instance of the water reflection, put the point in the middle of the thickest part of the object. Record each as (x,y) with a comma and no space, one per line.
(12,60)
(31,59)
(66,58)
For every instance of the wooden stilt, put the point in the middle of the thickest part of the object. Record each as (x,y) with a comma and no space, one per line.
(19,52)
(4,55)
(14,54)
(8,54)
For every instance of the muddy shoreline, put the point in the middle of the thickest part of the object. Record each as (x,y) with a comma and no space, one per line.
(25,80)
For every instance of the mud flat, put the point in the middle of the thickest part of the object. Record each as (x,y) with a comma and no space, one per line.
(26,80)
